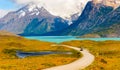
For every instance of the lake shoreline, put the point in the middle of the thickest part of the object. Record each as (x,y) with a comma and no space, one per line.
(60,39)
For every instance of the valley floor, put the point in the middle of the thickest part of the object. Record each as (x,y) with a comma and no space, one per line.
(81,63)
(9,61)
(107,53)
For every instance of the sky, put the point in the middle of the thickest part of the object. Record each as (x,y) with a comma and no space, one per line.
(6,6)
(57,5)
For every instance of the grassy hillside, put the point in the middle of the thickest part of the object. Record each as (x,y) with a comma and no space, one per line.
(5,33)
(107,53)
(9,61)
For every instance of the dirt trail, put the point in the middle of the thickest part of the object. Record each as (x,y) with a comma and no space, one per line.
(81,63)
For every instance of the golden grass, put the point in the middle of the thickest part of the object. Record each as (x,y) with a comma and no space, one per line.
(107,53)
(34,63)
(10,44)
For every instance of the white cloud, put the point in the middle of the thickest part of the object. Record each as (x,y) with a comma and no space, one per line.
(57,7)
(3,12)
(48,1)
(25,1)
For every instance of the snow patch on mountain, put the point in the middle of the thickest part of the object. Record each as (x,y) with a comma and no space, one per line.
(37,13)
(61,8)
(30,9)
(33,7)
(21,13)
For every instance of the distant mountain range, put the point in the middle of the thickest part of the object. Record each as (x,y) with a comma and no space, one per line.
(96,17)
(100,18)
(34,19)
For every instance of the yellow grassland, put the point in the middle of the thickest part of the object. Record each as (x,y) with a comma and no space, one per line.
(9,61)
(107,53)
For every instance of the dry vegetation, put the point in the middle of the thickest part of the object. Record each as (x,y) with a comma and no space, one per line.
(10,44)
(107,53)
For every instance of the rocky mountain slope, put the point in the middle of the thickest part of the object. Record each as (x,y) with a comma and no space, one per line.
(19,21)
(40,18)
(95,17)
(112,3)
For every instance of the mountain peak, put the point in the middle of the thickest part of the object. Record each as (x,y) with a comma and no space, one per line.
(30,9)
(31,6)
(112,3)
(62,8)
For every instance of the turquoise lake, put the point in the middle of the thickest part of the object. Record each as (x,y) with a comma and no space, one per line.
(59,39)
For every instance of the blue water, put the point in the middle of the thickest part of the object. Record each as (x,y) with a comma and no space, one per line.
(59,39)
(21,54)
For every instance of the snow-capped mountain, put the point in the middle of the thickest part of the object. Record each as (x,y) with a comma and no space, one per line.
(32,17)
(42,17)
(96,17)
(30,9)
(63,8)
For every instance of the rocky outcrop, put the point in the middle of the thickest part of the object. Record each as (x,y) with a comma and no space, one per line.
(112,3)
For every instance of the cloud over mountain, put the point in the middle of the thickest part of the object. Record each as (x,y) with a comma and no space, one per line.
(48,1)
(57,7)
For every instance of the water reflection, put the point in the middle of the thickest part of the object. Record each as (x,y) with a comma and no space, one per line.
(21,54)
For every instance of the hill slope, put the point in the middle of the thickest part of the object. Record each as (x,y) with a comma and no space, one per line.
(5,33)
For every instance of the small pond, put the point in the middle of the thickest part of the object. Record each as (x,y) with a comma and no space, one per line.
(21,54)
